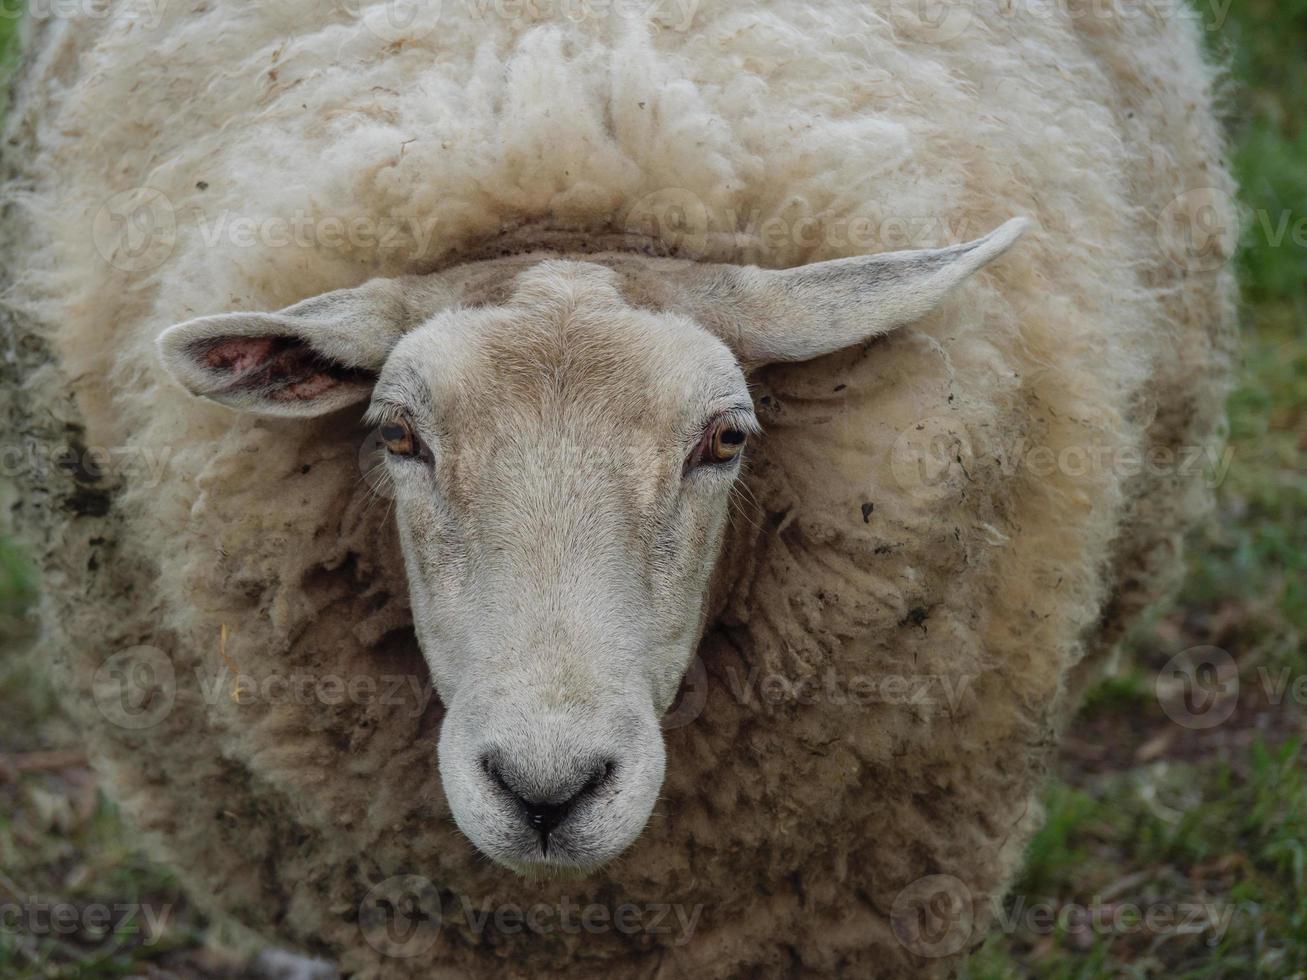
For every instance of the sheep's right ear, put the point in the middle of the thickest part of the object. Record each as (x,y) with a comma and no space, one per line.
(306,360)
(767,315)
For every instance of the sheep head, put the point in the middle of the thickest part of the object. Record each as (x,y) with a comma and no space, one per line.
(563,437)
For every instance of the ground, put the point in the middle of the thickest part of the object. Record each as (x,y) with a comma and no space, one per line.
(1171,849)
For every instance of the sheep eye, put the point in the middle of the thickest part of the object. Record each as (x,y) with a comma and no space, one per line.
(721,444)
(400,439)
(727,443)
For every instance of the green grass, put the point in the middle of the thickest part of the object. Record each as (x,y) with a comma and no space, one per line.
(1141,814)
(9,22)
(1223,840)
(17,585)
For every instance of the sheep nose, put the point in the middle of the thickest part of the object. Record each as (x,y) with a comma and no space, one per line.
(546,804)
(544,817)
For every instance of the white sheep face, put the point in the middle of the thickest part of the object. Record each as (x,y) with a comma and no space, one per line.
(563,438)
(561,506)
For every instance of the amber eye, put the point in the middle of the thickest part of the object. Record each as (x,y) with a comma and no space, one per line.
(399,437)
(721,444)
(726,443)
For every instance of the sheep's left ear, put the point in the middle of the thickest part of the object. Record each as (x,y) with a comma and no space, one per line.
(767,315)
(306,360)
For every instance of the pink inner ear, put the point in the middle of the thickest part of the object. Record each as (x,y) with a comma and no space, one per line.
(236,355)
(276,368)
(309,388)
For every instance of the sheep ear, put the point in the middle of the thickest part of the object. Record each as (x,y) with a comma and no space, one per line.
(306,360)
(768,315)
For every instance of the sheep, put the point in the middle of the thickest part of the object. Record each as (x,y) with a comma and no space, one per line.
(776,242)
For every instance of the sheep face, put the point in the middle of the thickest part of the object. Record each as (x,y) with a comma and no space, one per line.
(562,466)
(563,438)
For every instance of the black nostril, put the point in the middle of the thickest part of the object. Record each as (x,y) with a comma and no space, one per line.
(544,817)
(544,812)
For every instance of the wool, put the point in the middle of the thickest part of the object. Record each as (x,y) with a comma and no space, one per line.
(901,528)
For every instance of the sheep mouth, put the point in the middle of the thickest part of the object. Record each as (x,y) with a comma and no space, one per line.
(556,860)
(568,853)
(553,791)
